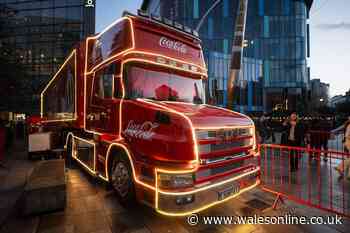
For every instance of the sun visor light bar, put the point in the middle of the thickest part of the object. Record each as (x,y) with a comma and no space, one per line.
(141,13)
(178,25)
(166,21)
(156,17)
(188,29)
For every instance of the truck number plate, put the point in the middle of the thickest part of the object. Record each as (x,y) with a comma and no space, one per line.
(228,192)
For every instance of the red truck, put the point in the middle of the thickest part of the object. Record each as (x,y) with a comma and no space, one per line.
(129,105)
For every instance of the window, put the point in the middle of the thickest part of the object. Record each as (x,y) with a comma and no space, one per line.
(47,16)
(59,96)
(74,13)
(103,83)
(195,9)
(210,27)
(144,82)
(226,8)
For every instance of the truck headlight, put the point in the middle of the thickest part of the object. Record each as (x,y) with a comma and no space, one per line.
(175,180)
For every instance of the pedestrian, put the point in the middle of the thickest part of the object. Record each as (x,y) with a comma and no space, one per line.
(294,138)
(314,136)
(325,128)
(344,166)
(8,135)
(262,125)
(2,142)
(265,128)
(270,126)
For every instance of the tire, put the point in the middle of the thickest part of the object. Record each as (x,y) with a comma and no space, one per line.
(121,180)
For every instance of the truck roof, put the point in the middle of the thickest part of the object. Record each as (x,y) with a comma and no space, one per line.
(143,34)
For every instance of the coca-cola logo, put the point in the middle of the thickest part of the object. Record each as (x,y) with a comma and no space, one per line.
(171,44)
(141,131)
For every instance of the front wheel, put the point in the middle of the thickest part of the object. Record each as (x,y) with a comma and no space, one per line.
(122,180)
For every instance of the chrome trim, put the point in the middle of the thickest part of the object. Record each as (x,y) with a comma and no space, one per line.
(220,159)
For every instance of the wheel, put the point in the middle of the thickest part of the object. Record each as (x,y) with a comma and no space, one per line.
(122,180)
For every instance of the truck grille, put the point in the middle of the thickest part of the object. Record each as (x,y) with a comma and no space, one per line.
(224,142)
(224,150)
(205,173)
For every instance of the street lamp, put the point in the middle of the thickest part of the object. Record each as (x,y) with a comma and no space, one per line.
(199,25)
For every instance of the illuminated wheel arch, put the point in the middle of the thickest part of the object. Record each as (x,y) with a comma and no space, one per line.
(113,151)
(121,147)
(69,137)
(121,175)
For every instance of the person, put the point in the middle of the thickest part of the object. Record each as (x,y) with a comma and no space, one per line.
(319,136)
(325,128)
(345,164)
(263,128)
(2,142)
(314,136)
(294,138)
(266,130)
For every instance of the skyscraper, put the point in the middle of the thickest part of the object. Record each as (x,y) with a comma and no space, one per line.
(36,36)
(275,72)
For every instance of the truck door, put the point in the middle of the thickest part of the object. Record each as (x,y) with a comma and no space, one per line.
(103,109)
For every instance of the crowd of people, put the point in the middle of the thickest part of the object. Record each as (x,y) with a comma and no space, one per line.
(313,134)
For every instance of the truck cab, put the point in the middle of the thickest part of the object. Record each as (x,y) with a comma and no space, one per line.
(130,105)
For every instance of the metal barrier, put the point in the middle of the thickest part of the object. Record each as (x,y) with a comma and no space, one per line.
(299,174)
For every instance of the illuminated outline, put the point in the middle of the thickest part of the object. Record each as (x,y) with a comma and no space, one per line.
(195,161)
(211,204)
(74,52)
(171,59)
(86,73)
(75,152)
(157,190)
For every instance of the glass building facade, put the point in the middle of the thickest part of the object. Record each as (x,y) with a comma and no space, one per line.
(38,35)
(275,73)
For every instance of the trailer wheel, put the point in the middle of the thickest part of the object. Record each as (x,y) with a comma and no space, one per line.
(121,180)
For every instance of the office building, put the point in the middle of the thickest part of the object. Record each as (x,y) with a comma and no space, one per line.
(319,94)
(340,100)
(275,72)
(36,36)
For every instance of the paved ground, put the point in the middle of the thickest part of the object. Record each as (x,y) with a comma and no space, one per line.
(316,181)
(13,176)
(91,208)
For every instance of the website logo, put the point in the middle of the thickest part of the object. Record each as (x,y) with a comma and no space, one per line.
(89,3)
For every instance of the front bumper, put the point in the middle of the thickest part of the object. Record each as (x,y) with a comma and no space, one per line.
(206,196)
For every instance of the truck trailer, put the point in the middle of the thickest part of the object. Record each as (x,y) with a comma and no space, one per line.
(129,105)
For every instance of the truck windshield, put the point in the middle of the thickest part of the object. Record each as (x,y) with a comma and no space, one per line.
(162,86)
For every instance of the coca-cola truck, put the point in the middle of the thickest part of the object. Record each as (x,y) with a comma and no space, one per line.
(129,105)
